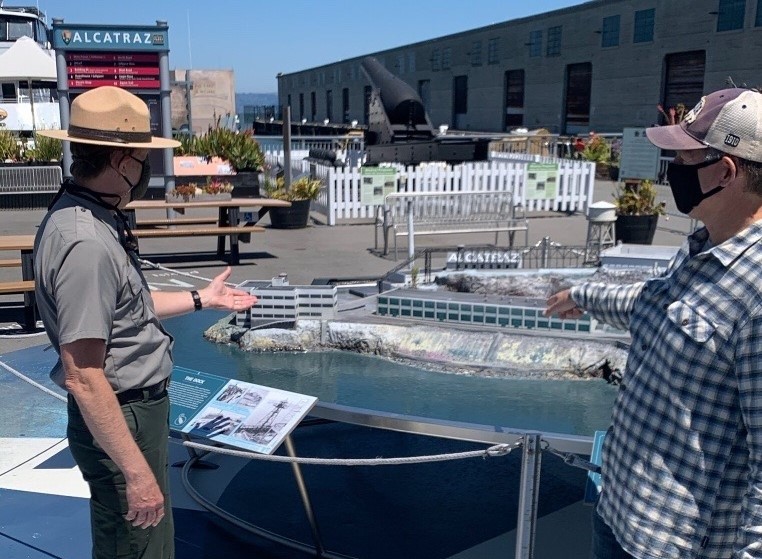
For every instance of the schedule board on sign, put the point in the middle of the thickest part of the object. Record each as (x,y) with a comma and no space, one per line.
(86,70)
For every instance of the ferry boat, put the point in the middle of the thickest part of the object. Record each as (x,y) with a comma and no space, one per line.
(28,91)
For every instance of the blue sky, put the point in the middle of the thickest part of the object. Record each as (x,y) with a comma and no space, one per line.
(258,39)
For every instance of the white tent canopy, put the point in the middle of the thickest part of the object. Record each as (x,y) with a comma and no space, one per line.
(26,60)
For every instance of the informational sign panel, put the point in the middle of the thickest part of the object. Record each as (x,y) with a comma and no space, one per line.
(639,158)
(377,182)
(125,70)
(233,412)
(542,181)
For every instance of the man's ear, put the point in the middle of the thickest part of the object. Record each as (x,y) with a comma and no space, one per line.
(729,170)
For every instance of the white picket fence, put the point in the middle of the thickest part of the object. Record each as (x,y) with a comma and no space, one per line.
(340,200)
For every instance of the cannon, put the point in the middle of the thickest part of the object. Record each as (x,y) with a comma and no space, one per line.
(400,130)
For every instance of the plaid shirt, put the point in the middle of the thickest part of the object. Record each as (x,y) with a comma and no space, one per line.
(682,461)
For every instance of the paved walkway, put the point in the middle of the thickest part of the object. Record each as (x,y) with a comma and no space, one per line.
(318,251)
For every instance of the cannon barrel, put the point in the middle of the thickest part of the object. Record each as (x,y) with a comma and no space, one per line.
(400,101)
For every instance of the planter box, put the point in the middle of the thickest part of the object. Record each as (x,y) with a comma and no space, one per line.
(294,217)
(636,229)
(199,197)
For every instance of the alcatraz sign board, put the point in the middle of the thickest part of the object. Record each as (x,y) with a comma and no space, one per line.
(109,37)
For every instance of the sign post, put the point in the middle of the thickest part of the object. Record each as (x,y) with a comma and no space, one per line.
(132,57)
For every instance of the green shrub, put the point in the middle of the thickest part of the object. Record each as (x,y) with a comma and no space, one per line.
(10,149)
(45,149)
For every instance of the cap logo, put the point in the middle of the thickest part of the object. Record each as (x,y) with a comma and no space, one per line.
(691,115)
(732,140)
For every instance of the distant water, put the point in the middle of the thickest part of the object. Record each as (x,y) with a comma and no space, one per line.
(572,407)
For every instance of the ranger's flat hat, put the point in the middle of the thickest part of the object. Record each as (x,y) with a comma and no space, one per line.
(110,116)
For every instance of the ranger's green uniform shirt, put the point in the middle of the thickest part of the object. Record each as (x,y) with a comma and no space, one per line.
(89,286)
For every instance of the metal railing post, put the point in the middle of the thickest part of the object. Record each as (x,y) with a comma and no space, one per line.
(319,549)
(410,231)
(544,252)
(528,495)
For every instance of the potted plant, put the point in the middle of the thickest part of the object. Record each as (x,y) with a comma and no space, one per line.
(301,193)
(637,212)
(239,149)
(598,151)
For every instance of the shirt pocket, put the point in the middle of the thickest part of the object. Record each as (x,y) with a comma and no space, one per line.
(691,322)
(137,304)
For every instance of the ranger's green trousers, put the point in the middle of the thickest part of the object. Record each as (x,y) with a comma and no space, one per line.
(113,536)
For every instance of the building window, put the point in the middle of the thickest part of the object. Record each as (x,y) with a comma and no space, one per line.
(329,105)
(578,93)
(476,53)
(436,60)
(554,41)
(411,61)
(313,113)
(514,89)
(535,43)
(758,18)
(446,56)
(644,26)
(610,31)
(492,46)
(730,15)
(400,64)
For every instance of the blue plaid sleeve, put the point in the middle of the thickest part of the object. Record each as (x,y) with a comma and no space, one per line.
(611,304)
(748,371)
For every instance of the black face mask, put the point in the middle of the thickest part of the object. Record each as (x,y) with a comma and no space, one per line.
(138,190)
(686,187)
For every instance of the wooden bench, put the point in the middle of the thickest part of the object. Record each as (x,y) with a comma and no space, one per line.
(10,263)
(233,232)
(13,287)
(440,213)
(30,308)
(177,221)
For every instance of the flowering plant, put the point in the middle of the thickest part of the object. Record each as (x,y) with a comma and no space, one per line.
(673,115)
(217,186)
(185,191)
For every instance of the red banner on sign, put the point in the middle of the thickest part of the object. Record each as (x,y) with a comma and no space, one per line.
(124,83)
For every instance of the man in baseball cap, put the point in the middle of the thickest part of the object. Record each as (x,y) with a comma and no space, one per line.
(115,357)
(682,461)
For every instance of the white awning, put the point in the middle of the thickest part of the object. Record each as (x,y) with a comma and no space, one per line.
(27,60)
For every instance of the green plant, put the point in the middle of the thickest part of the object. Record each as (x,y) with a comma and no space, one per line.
(45,149)
(596,149)
(638,199)
(10,150)
(414,271)
(240,149)
(303,188)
